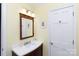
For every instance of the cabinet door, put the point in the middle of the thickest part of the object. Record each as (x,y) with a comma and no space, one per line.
(37,52)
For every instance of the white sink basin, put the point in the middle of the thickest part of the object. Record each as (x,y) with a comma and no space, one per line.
(27,48)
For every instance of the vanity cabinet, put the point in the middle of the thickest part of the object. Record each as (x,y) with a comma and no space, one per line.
(37,52)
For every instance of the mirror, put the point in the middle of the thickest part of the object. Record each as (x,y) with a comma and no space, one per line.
(26,26)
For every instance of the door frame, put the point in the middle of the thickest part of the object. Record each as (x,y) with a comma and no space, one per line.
(49,40)
(3,29)
(0,29)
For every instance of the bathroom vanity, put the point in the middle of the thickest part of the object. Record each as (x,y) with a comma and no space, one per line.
(34,48)
(30,48)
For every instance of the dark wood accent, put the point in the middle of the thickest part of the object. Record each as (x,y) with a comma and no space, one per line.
(27,17)
(36,52)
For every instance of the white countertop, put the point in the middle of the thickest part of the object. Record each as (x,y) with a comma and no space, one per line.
(22,50)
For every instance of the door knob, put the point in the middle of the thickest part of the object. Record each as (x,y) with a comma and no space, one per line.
(51,43)
(59,21)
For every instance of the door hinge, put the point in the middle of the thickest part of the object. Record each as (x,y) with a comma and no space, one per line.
(2,49)
(73,42)
(73,13)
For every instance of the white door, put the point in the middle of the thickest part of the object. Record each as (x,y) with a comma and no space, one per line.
(61,32)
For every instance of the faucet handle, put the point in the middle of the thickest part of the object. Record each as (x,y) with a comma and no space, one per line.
(27,42)
(35,39)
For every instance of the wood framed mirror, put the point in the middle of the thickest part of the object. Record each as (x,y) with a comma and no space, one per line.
(26,26)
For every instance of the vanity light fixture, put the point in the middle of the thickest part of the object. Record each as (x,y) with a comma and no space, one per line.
(27,12)
(33,15)
(23,11)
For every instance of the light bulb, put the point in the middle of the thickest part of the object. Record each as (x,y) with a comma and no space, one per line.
(29,13)
(23,11)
